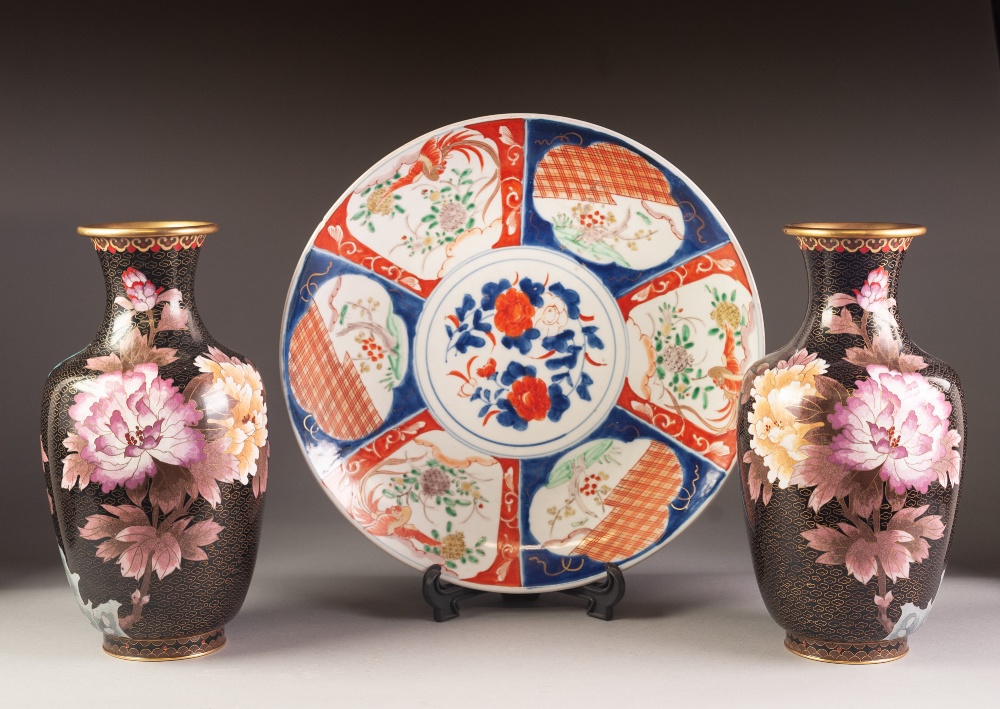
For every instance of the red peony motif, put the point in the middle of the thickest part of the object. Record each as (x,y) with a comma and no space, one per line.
(488,369)
(530,397)
(514,313)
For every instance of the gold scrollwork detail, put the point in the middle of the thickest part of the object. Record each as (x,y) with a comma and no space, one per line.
(820,243)
(148,243)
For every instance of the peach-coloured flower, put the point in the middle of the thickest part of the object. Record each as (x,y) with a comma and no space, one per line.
(127,421)
(777,436)
(236,406)
(552,317)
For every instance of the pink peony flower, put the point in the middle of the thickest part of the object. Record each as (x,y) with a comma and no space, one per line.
(142,295)
(896,422)
(874,293)
(130,420)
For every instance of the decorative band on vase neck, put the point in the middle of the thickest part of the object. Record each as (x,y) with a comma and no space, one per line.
(817,243)
(854,237)
(148,243)
(130,237)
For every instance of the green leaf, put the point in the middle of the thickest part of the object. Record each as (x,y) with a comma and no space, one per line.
(447,527)
(563,472)
(434,533)
(714,331)
(451,512)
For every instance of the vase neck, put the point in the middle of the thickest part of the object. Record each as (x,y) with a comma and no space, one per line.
(869,275)
(150,288)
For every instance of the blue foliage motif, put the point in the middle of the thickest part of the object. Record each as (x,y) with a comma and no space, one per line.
(564,354)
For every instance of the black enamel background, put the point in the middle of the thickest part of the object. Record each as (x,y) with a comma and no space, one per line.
(199,596)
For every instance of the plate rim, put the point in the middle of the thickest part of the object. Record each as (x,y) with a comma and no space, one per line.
(310,245)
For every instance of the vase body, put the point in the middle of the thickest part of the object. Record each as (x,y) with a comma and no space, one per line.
(154,448)
(851,446)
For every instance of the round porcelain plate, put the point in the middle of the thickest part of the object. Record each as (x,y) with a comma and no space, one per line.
(514,348)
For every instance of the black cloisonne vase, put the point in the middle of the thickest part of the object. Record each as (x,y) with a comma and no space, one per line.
(851,446)
(154,447)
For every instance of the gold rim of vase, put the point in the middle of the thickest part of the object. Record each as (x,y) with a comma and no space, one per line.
(165,649)
(853,230)
(143,230)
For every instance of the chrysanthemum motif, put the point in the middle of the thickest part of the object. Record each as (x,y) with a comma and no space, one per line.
(777,436)
(726,314)
(452,216)
(378,203)
(236,408)
(676,358)
(453,546)
(434,482)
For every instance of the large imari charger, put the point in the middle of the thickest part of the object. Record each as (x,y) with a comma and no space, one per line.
(514,348)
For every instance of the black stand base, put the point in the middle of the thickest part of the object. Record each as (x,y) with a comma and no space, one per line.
(602,596)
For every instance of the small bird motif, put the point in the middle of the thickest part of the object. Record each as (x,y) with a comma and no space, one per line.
(390,522)
(430,163)
(727,377)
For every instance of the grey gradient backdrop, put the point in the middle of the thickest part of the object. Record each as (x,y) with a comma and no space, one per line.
(258,119)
